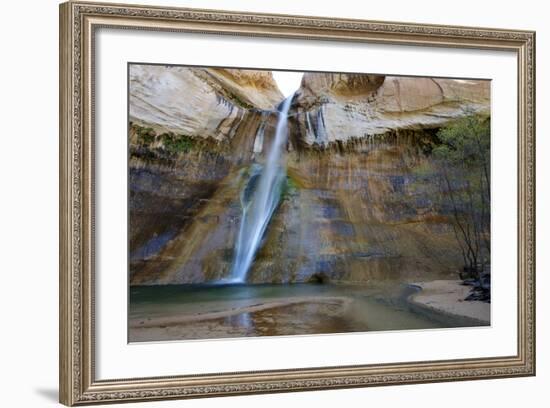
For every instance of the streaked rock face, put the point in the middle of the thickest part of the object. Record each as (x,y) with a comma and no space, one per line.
(359,217)
(359,204)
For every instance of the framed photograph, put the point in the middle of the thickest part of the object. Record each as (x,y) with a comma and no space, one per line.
(256,203)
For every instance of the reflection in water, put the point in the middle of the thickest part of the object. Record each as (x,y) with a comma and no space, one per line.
(176,312)
(242,322)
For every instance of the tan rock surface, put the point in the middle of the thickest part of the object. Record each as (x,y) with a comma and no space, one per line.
(339,85)
(333,108)
(175,99)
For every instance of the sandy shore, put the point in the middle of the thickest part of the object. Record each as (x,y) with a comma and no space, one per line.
(341,302)
(447,297)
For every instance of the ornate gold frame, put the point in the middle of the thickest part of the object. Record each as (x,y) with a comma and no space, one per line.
(78,22)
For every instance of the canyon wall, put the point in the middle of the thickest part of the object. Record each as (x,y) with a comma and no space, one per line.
(359,205)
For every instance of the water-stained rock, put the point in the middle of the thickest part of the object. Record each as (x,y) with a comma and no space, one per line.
(358,206)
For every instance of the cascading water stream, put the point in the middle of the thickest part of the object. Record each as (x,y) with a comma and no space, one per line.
(259,208)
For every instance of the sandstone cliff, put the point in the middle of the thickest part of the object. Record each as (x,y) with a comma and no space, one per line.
(363,206)
(189,129)
(359,202)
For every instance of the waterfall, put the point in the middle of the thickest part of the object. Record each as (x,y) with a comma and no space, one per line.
(259,205)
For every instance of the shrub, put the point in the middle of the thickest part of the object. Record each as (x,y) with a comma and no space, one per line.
(177,143)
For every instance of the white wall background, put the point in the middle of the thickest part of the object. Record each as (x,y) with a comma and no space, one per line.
(28,203)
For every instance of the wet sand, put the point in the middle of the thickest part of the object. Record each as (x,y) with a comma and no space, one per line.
(271,318)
